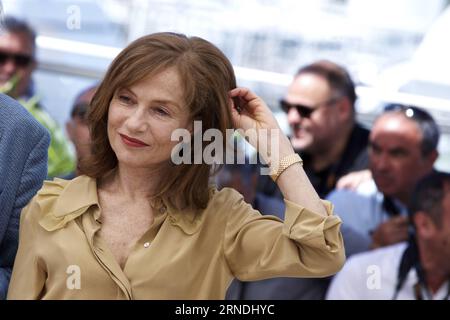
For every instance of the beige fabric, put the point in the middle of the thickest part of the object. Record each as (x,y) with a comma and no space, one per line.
(184,255)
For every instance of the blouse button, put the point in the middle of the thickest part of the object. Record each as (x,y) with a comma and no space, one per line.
(147,244)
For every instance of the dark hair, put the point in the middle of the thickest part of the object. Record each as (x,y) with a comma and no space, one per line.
(337,77)
(428,195)
(14,25)
(425,122)
(80,108)
(207,76)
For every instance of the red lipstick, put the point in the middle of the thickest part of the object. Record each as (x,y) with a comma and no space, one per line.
(132,142)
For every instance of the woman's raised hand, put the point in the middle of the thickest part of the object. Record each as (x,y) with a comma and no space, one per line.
(251,114)
(249,111)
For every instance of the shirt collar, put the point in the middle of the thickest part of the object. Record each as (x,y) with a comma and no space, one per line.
(63,201)
(79,193)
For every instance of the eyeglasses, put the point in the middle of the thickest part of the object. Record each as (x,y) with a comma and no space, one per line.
(409,111)
(303,110)
(20,60)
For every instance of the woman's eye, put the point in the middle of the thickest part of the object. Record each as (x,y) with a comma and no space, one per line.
(125,99)
(161,111)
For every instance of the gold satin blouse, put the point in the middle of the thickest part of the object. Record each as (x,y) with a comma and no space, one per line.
(184,255)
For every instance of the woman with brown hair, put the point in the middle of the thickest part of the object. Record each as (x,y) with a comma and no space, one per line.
(137,226)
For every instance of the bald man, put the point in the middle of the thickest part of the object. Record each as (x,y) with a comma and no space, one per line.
(402,149)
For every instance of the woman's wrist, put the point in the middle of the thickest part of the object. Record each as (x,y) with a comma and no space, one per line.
(282,157)
(283,150)
(279,168)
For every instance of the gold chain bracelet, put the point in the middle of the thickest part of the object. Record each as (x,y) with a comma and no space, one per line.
(283,164)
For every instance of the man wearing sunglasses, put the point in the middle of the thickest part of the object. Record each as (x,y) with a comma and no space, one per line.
(320,110)
(17,63)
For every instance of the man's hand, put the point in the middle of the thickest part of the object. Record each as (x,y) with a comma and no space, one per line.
(353,180)
(389,232)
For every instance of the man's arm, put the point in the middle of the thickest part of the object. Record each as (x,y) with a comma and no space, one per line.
(33,175)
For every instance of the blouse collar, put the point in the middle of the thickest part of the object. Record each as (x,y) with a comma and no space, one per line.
(62,201)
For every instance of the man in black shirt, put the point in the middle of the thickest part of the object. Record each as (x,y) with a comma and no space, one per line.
(320,110)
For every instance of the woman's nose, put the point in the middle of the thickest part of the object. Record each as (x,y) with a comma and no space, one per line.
(136,121)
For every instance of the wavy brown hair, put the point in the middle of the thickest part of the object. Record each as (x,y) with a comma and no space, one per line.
(207,76)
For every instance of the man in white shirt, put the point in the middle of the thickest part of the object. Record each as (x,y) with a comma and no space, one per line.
(418,269)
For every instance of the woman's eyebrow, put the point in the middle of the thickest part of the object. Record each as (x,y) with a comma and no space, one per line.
(128,90)
(163,101)
(168,101)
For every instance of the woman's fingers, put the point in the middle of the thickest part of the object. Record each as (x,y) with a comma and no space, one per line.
(250,99)
(235,112)
(250,111)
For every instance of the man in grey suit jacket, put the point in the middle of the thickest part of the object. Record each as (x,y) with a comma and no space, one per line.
(23,168)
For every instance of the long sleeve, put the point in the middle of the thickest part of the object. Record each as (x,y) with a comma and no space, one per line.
(23,168)
(28,275)
(305,245)
(33,175)
(5,275)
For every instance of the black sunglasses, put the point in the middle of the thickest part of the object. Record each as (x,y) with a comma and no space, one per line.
(409,111)
(20,60)
(303,110)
